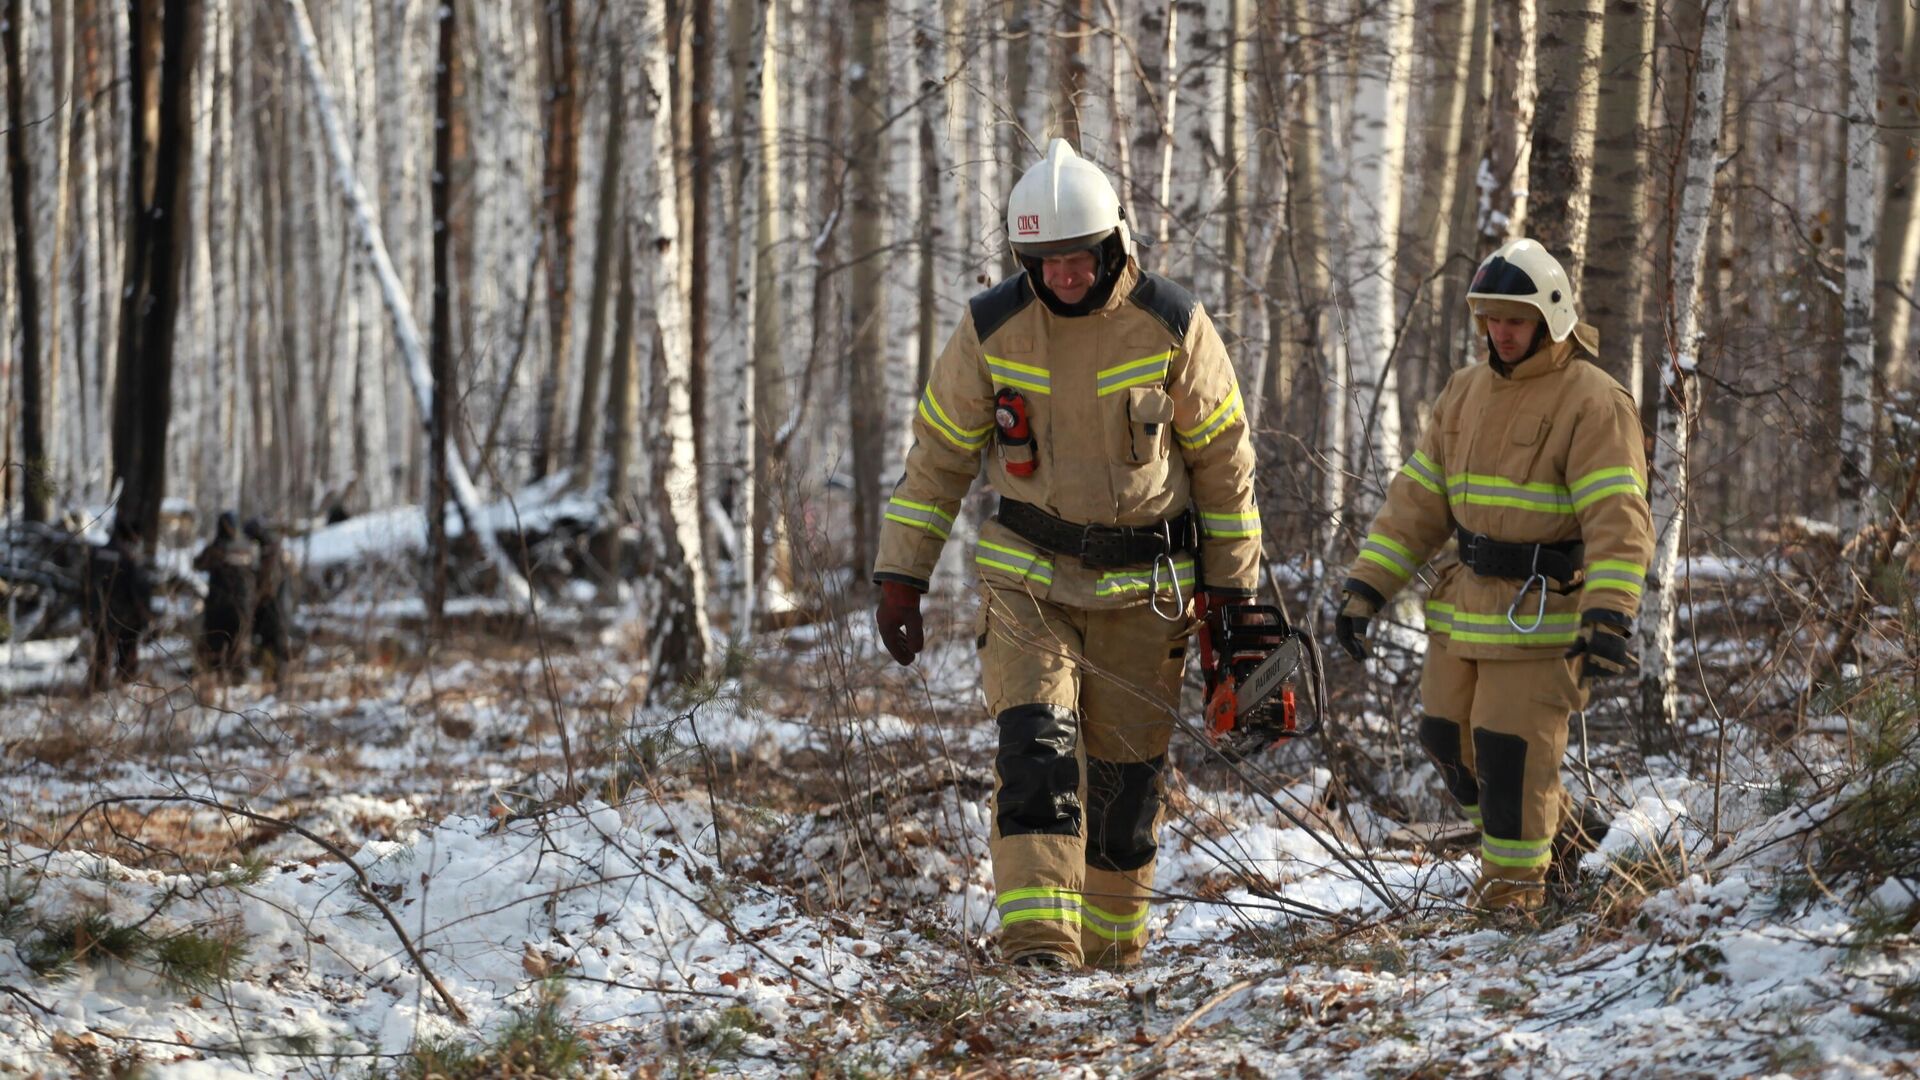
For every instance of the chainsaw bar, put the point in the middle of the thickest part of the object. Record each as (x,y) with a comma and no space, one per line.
(1259,686)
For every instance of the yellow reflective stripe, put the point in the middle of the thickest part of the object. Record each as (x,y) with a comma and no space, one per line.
(1229,525)
(1472,812)
(1601,483)
(1442,618)
(1147,369)
(1113,927)
(1473,489)
(1538,637)
(1211,427)
(937,418)
(1516,853)
(1034,893)
(1598,475)
(919,516)
(1135,580)
(1426,478)
(1024,376)
(1016,562)
(1616,574)
(1388,552)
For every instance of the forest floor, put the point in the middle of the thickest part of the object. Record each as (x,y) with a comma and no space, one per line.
(786,874)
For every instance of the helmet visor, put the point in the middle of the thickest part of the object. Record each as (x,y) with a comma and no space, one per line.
(1498,277)
(1041,250)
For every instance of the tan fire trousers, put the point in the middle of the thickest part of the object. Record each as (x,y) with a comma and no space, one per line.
(1497,730)
(1085,702)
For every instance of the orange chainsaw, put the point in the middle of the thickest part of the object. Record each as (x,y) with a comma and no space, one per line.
(1250,659)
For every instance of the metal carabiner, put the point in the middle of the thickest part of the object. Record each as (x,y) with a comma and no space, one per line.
(1540,615)
(1179,610)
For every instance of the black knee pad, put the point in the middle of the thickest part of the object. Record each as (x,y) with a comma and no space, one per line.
(1442,741)
(1039,778)
(1501,760)
(1123,800)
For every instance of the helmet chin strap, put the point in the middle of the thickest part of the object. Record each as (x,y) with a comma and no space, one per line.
(1112,255)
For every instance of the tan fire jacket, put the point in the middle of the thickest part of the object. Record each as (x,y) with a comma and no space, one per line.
(1552,453)
(1136,415)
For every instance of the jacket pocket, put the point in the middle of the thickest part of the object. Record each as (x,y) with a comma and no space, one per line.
(1149,415)
(1527,436)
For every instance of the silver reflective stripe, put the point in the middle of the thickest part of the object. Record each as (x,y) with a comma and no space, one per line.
(1024,376)
(1130,580)
(1057,903)
(1399,561)
(920,516)
(1523,850)
(1624,484)
(1420,466)
(1114,927)
(1472,491)
(1147,369)
(1014,561)
(1630,581)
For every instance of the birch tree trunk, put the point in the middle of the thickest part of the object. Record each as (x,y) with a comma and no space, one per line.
(1510,122)
(1897,254)
(1560,171)
(1451,33)
(770,404)
(1069,80)
(1614,293)
(1168,141)
(1680,401)
(867,100)
(607,240)
(1240,162)
(1454,328)
(33,434)
(1379,139)
(440,420)
(406,330)
(747,326)
(560,178)
(1863,173)
(677,635)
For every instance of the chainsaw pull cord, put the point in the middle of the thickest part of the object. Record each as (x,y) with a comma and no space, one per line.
(1535,578)
(1178,611)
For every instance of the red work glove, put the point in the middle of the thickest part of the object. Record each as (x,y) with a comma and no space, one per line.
(898,618)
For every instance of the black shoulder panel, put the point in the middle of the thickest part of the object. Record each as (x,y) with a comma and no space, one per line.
(993,307)
(1166,301)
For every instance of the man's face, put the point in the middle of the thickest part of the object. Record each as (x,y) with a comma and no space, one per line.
(1512,338)
(1069,276)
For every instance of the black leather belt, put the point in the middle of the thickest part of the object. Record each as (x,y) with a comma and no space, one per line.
(1498,558)
(1104,547)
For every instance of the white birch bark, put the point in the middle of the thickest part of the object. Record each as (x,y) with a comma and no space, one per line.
(406,330)
(747,331)
(1169,100)
(1862,230)
(681,629)
(1680,401)
(1378,141)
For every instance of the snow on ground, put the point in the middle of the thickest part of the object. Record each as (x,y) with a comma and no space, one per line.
(791,876)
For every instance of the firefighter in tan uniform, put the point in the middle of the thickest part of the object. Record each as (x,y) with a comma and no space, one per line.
(1106,410)
(1534,463)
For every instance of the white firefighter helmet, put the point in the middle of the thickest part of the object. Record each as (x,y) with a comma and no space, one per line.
(1063,204)
(1523,275)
